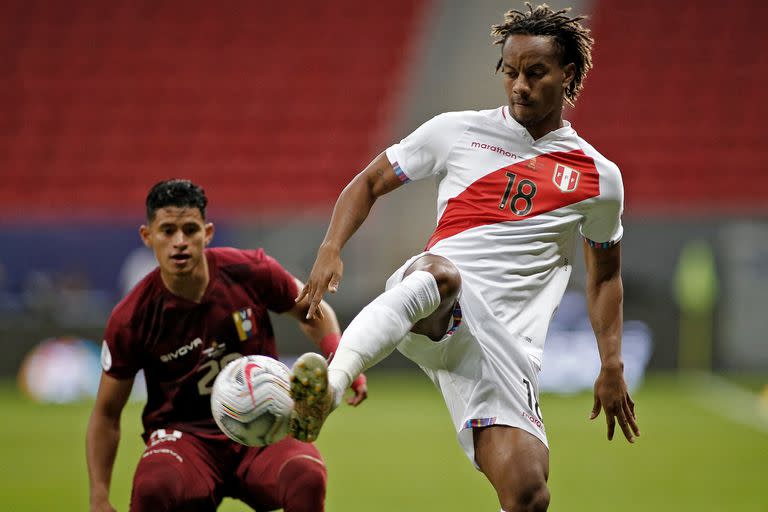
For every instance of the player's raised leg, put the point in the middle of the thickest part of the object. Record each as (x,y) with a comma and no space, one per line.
(422,302)
(517,465)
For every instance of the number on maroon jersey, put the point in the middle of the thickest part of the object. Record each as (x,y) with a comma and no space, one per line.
(213,367)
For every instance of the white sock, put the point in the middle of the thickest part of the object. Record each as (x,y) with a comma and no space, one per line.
(375,332)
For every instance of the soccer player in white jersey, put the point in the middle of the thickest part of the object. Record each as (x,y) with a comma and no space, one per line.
(516,185)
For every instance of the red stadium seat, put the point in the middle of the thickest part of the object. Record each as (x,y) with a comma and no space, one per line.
(261,106)
(676,100)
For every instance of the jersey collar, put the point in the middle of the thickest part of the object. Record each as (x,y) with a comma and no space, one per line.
(563,132)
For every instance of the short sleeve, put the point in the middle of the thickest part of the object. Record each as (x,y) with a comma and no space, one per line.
(601,226)
(119,351)
(276,286)
(424,152)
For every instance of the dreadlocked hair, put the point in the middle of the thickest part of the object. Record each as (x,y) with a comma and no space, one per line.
(572,38)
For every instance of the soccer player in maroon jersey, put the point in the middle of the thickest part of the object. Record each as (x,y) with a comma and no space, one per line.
(181,324)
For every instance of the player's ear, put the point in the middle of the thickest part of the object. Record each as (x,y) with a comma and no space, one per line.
(569,73)
(144,234)
(209,230)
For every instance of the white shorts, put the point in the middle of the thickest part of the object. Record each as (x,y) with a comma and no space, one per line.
(483,372)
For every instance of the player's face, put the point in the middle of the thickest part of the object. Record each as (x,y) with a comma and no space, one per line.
(535,82)
(178,237)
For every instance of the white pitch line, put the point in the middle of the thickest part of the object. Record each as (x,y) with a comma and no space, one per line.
(729,401)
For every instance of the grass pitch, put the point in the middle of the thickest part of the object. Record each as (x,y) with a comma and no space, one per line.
(398,452)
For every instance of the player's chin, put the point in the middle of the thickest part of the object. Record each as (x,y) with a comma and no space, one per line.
(179,267)
(525,116)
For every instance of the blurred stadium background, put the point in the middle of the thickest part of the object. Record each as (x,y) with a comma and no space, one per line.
(273,107)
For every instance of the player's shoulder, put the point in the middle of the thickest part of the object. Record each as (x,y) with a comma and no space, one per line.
(144,293)
(242,263)
(603,164)
(225,256)
(467,117)
(459,121)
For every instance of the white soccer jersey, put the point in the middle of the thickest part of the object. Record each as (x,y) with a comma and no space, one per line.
(508,209)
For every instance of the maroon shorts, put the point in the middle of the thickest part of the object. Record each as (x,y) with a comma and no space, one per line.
(183,471)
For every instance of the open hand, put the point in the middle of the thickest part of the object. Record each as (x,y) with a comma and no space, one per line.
(612,396)
(325,276)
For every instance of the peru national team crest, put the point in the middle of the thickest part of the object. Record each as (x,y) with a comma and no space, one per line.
(565,178)
(245,323)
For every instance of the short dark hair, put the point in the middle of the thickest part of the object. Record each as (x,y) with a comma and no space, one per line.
(571,37)
(175,192)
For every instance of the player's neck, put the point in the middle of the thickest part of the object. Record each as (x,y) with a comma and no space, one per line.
(549,124)
(190,286)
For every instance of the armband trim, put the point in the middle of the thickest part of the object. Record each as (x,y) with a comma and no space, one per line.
(399,173)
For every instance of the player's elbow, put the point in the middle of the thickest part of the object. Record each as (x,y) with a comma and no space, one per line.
(104,417)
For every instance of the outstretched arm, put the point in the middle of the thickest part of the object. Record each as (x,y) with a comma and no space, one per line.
(102,438)
(605,296)
(323,329)
(352,208)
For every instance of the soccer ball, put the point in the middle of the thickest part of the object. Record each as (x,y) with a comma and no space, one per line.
(251,400)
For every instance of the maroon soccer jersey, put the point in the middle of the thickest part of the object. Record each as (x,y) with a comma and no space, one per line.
(182,345)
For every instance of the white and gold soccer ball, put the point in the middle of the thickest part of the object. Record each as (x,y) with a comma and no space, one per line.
(251,400)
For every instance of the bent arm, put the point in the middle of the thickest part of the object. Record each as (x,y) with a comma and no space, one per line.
(323,329)
(318,327)
(351,210)
(356,200)
(103,436)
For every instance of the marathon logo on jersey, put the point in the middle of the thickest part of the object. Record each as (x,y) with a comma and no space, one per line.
(245,323)
(181,351)
(495,149)
(565,178)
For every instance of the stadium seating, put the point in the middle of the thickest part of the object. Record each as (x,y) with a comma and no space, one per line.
(270,105)
(676,100)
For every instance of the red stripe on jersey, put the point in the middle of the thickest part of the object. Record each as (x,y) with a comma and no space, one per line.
(527,189)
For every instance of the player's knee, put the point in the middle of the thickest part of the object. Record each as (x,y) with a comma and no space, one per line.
(446,275)
(530,496)
(303,482)
(157,491)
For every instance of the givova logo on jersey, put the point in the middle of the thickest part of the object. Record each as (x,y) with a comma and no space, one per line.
(182,350)
(565,178)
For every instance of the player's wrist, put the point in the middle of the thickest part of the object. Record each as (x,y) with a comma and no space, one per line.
(99,497)
(612,365)
(361,380)
(329,344)
(330,247)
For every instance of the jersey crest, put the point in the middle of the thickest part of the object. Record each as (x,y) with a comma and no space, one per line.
(565,178)
(244,323)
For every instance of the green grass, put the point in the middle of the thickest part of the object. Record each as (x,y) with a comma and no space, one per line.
(398,452)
